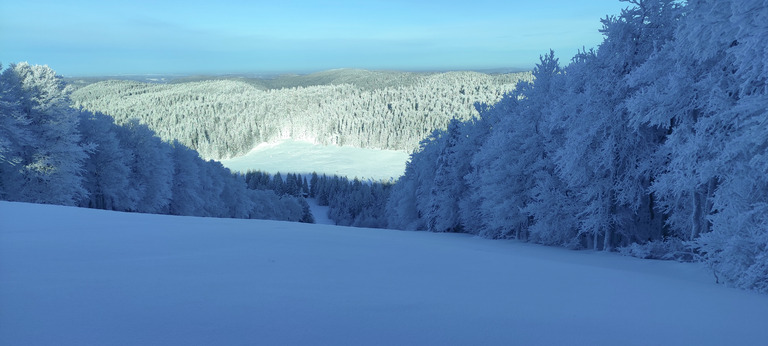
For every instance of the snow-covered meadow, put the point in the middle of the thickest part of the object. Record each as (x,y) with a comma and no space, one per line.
(71,276)
(292,156)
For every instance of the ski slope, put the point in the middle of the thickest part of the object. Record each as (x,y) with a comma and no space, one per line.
(292,156)
(320,213)
(72,276)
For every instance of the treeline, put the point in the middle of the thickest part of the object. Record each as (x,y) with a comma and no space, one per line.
(654,143)
(225,118)
(350,202)
(55,154)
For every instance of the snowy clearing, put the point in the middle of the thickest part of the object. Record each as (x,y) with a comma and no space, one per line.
(72,276)
(319,212)
(291,156)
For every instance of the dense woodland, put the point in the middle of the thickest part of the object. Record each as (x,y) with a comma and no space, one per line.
(654,143)
(350,202)
(225,118)
(52,153)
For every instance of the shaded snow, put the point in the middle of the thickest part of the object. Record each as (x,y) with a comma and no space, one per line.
(73,276)
(290,156)
(320,213)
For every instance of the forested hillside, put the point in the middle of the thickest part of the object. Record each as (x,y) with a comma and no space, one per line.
(52,153)
(654,143)
(225,118)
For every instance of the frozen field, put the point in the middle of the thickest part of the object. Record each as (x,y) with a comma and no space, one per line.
(289,156)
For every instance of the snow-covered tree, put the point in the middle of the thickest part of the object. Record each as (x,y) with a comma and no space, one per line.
(729,110)
(106,171)
(51,161)
(506,163)
(151,168)
(187,198)
(410,199)
(224,118)
(449,187)
(604,161)
(14,134)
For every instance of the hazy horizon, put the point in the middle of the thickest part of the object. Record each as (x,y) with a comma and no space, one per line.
(277,74)
(83,38)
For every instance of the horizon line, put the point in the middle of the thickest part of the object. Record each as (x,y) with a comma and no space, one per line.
(297,72)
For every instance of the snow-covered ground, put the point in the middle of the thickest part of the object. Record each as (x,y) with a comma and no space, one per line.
(72,276)
(320,213)
(290,156)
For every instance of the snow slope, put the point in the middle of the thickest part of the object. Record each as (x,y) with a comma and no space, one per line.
(290,156)
(73,276)
(319,212)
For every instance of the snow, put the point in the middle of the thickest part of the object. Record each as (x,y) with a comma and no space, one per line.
(71,276)
(292,156)
(320,213)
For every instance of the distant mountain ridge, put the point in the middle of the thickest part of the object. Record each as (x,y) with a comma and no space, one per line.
(283,78)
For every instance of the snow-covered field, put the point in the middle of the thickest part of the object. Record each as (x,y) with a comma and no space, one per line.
(290,156)
(72,276)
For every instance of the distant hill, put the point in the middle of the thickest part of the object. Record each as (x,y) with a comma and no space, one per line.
(79,82)
(227,116)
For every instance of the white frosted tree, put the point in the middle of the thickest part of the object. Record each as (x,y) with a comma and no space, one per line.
(186,187)
(678,87)
(604,161)
(707,89)
(731,37)
(151,168)
(211,188)
(235,195)
(506,164)
(448,186)
(410,198)
(106,171)
(52,160)
(401,209)
(14,135)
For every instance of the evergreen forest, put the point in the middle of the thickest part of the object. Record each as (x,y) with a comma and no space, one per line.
(53,153)
(223,118)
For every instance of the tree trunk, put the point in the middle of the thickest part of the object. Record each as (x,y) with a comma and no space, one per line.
(707,202)
(607,246)
(695,215)
(595,241)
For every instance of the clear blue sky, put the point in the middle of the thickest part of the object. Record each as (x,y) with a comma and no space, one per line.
(81,37)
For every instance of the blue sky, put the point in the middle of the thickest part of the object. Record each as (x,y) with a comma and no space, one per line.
(80,38)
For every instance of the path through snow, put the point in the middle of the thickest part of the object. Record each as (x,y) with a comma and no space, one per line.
(320,213)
